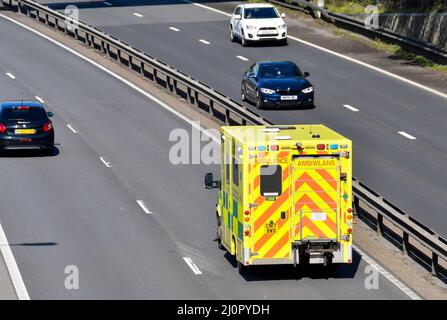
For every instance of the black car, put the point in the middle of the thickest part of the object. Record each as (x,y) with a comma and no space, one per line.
(25,125)
(276,84)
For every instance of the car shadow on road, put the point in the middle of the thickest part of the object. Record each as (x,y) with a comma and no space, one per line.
(29,153)
(305,271)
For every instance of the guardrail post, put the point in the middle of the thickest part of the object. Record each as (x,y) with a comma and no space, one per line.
(379,224)
(356,206)
(434,265)
(405,243)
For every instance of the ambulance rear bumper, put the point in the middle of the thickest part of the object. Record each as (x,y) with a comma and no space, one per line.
(315,256)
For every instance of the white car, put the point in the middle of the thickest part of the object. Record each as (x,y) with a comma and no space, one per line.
(257,22)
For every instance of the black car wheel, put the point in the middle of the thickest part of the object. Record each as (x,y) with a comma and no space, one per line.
(244,41)
(243,94)
(259,104)
(232,37)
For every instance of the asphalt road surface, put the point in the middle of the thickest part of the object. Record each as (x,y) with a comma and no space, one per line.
(78,208)
(409,172)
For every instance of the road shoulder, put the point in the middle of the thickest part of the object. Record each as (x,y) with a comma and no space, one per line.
(7,291)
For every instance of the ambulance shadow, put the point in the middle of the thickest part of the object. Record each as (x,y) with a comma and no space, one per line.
(306,271)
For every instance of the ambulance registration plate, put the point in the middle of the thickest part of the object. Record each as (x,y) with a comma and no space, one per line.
(270,227)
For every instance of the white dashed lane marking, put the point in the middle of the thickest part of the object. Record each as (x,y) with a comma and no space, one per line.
(347,106)
(10,75)
(242,58)
(192,265)
(204,41)
(144,207)
(71,128)
(406,135)
(174,29)
(139,15)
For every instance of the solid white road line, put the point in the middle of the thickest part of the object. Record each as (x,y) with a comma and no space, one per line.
(387,275)
(192,265)
(174,29)
(39,99)
(164,105)
(11,264)
(107,3)
(242,58)
(143,206)
(208,8)
(139,15)
(106,163)
(342,56)
(406,135)
(10,75)
(71,128)
(204,41)
(350,107)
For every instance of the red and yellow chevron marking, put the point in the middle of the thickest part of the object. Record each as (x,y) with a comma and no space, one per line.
(316,191)
(274,245)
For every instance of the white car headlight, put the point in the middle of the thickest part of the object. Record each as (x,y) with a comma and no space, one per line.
(283,26)
(308,90)
(250,27)
(267,91)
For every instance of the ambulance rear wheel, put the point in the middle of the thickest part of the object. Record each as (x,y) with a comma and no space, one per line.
(219,233)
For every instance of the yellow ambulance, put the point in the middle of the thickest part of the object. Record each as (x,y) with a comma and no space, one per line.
(285,195)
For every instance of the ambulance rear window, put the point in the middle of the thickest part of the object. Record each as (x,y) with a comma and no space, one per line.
(271,180)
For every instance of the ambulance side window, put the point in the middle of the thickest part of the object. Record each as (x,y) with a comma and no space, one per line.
(271,180)
(227,168)
(235,172)
(235,165)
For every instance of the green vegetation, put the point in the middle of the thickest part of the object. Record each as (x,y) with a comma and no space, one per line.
(402,6)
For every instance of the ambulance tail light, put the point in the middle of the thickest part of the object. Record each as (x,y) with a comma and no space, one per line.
(321,146)
(247,232)
(349,230)
(247,212)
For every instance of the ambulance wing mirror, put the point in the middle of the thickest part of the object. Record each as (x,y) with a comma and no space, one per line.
(210,183)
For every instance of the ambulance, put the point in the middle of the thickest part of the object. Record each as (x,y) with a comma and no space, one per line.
(285,195)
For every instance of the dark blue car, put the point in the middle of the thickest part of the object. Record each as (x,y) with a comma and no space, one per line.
(276,84)
(25,125)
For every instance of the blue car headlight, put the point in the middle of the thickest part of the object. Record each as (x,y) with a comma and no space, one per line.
(308,90)
(267,91)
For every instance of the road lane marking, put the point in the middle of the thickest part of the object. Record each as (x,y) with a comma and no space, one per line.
(242,58)
(204,41)
(192,265)
(143,206)
(342,56)
(71,128)
(10,75)
(174,29)
(39,99)
(106,163)
(208,8)
(194,124)
(139,15)
(13,269)
(406,135)
(350,107)
(387,275)
(107,3)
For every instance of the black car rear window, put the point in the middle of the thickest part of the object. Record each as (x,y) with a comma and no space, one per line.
(280,71)
(260,13)
(23,113)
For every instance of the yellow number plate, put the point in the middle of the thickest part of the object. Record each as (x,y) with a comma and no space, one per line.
(270,227)
(25,131)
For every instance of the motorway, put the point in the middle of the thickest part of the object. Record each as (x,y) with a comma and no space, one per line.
(409,172)
(79,207)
